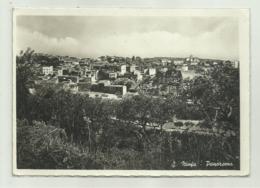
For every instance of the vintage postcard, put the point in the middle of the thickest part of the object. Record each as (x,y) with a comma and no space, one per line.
(131,92)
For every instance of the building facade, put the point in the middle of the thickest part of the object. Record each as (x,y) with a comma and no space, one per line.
(47,70)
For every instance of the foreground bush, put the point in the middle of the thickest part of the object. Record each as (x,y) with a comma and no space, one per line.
(41,146)
(46,147)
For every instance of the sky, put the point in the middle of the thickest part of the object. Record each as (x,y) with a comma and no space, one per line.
(94,36)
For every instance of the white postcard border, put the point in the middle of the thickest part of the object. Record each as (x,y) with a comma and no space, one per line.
(242,14)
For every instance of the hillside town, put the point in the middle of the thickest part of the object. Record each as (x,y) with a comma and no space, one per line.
(116,77)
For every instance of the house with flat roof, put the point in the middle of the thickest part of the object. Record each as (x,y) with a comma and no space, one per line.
(47,70)
(101,87)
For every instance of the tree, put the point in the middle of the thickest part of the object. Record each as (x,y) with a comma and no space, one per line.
(163,110)
(217,94)
(24,74)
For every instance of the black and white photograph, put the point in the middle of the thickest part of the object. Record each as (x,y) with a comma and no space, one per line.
(131,92)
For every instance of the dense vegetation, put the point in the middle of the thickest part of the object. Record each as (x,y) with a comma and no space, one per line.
(60,130)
